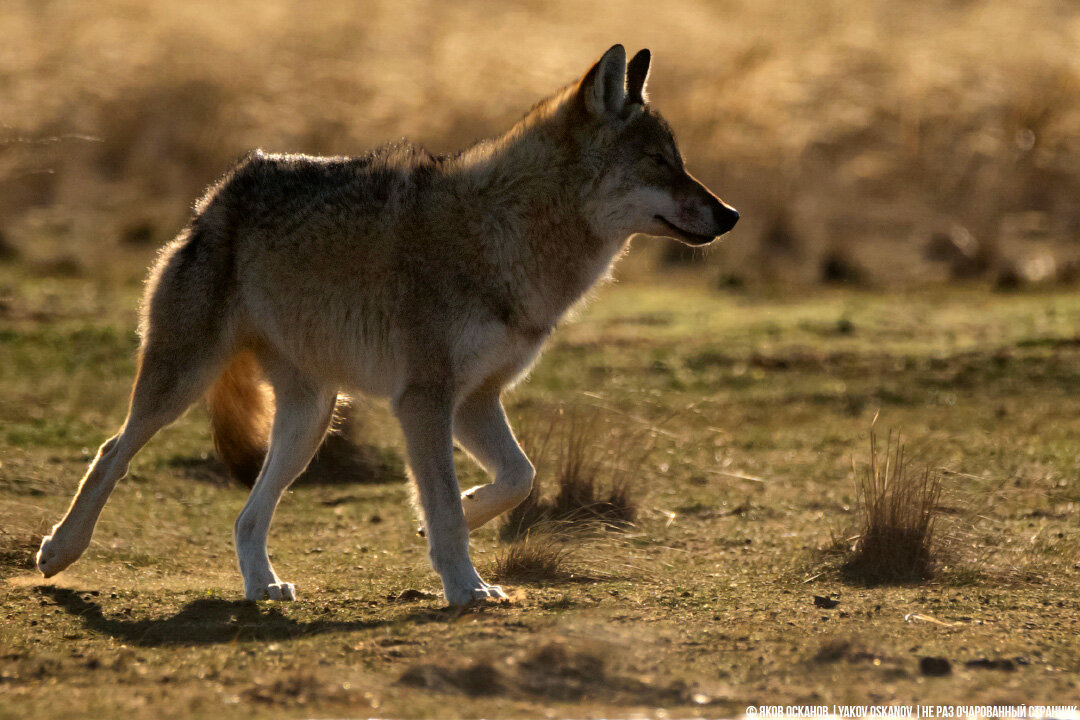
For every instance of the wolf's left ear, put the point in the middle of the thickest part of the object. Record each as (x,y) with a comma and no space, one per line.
(603,89)
(637,74)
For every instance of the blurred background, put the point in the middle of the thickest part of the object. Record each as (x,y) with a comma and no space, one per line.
(875,143)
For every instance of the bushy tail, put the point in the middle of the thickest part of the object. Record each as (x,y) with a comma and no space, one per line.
(241,407)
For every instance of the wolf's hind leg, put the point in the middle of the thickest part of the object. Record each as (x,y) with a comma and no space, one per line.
(480,425)
(169,380)
(303,414)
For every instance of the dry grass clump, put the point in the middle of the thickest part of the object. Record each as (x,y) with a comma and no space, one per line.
(897,541)
(538,557)
(591,484)
(591,462)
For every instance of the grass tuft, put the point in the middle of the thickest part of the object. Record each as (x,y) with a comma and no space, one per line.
(591,467)
(897,540)
(538,557)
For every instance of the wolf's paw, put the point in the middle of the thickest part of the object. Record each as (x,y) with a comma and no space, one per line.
(281,591)
(476,594)
(272,591)
(55,555)
(489,592)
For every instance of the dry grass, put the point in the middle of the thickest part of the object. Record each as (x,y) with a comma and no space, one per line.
(592,483)
(538,557)
(897,541)
(591,460)
(863,122)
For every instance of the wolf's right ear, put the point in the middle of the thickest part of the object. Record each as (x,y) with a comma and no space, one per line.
(637,74)
(603,89)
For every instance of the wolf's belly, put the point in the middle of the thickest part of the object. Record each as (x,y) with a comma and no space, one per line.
(371,351)
(334,344)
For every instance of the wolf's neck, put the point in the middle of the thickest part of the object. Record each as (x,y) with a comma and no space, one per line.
(527,203)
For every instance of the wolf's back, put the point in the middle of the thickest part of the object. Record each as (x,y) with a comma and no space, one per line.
(278,236)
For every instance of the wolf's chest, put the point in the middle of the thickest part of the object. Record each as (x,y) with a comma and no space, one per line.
(493,353)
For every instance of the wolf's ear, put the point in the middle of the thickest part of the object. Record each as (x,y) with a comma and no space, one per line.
(603,89)
(637,74)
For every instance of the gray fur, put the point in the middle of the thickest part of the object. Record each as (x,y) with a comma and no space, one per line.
(431,281)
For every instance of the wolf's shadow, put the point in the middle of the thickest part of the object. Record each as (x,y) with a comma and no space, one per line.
(210,621)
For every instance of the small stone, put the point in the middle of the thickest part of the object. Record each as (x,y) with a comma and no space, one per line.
(825,602)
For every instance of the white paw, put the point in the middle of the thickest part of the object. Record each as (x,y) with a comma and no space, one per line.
(489,592)
(271,591)
(281,591)
(467,595)
(55,555)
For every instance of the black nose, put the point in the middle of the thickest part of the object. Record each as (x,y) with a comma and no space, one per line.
(725,217)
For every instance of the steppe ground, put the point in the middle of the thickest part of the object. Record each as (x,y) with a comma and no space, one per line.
(755,406)
(727,391)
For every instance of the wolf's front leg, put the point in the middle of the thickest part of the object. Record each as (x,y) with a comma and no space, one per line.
(480,425)
(425,414)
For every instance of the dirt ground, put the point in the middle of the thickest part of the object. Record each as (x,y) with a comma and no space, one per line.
(754,405)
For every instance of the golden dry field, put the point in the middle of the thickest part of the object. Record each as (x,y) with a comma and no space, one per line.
(859,126)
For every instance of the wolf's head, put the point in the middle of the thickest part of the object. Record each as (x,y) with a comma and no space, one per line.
(640,181)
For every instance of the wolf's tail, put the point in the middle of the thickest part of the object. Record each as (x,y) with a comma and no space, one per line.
(241,406)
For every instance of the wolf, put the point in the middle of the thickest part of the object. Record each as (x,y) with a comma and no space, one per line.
(432,281)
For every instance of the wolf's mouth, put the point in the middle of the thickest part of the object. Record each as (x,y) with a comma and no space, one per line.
(680,234)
